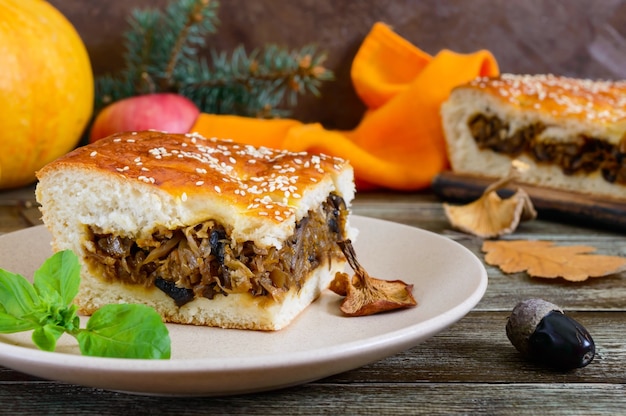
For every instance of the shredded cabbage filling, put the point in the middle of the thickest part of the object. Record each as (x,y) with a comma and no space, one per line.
(583,154)
(202,260)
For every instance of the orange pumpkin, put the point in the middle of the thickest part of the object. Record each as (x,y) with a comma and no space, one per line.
(46,88)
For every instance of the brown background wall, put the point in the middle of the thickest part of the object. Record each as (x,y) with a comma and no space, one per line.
(582,38)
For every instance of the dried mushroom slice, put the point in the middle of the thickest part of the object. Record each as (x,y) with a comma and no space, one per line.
(491,216)
(366,295)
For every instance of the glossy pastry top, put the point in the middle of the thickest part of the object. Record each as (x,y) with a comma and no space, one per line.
(602,102)
(258,181)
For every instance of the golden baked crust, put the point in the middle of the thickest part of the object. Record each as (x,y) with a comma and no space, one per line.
(158,181)
(257,181)
(602,102)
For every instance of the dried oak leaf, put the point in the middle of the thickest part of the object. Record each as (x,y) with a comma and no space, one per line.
(366,295)
(544,259)
(491,216)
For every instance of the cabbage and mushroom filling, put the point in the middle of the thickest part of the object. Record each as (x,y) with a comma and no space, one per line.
(202,260)
(582,154)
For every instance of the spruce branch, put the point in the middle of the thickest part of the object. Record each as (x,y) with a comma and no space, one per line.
(194,25)
(162,49)
(140,41)
(262,80)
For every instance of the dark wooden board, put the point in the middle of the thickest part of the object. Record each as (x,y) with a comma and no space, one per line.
(550,203)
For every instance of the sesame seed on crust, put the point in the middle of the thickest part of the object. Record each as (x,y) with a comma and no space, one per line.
(260,180)
(583,99)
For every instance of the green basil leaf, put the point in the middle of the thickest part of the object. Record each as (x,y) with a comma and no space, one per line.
(45,337)
(125,331)
(65,317)
(10,324)
(58,278)
(17,296)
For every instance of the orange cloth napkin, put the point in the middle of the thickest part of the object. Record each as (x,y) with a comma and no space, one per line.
(399,142)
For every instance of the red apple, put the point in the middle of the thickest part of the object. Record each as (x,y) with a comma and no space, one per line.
(163,111)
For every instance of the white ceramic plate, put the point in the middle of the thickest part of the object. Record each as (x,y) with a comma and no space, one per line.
(448,282)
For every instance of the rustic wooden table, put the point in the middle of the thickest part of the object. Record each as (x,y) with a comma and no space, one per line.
(470,368)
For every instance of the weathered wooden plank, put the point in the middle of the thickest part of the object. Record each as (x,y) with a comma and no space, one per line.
(597,293)
(11,218)
(316,399)
(605,293)
(476,349)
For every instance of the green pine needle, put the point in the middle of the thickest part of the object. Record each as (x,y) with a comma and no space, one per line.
(161,56)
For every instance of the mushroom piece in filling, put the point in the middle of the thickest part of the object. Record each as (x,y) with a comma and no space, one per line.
(202,260)
(584,154)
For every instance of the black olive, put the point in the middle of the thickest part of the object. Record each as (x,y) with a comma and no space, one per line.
(180,295)
(543,333)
